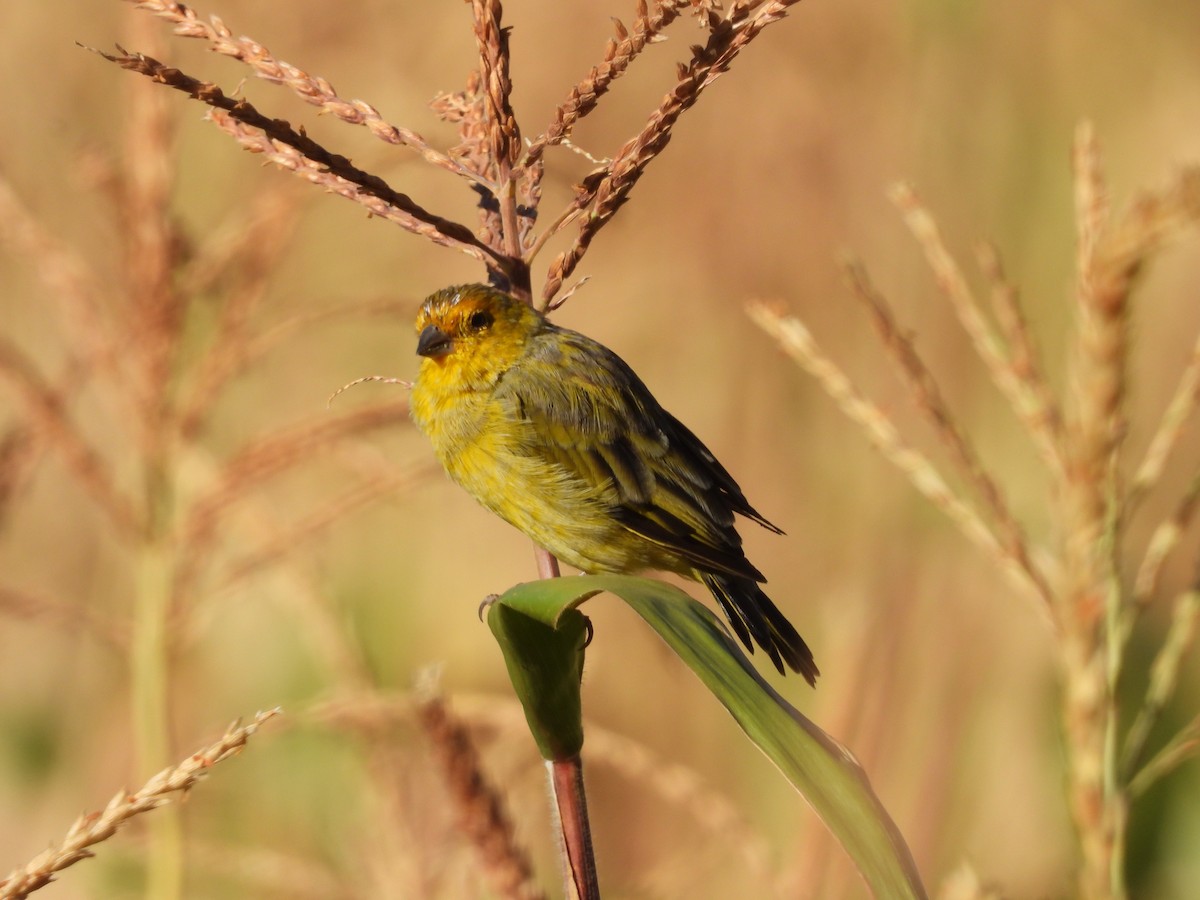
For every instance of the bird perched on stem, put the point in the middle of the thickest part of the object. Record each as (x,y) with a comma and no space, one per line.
(554,433)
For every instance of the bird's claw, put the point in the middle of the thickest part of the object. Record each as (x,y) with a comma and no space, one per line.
(487,604)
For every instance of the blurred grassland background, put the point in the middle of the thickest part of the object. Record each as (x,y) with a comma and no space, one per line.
(937,674)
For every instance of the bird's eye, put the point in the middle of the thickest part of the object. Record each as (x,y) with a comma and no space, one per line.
(479,320)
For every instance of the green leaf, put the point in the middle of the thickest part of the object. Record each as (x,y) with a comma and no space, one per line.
(820,768)
(545,665)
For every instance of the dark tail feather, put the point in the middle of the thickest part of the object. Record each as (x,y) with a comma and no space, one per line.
(756,620)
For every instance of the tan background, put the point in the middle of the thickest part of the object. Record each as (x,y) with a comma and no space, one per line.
(936,673)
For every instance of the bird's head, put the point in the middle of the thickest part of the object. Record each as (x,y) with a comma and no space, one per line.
(473,333)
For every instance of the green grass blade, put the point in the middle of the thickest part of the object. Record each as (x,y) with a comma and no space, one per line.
(545,665)
(820,768)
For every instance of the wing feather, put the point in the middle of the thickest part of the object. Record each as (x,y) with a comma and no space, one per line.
(603,426)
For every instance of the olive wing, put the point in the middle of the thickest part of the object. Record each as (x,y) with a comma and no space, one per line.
(588,413)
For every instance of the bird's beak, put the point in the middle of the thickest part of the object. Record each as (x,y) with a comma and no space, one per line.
(433,342)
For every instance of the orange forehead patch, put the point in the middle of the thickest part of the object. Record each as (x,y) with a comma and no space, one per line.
(450,308)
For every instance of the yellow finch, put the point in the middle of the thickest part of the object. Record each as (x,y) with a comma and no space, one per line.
(555,434)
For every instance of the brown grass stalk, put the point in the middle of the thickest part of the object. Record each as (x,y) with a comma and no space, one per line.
(289,539)
(503,134)
(44,412)
(1033,401)
(509,182)
(229,248)
(928,399)
(227,362)
(377,713)
(480,810)
(93,828)
(603,193)
(684,788)
(270,455)
(467,110)
(648,26)
(245,285)
(798,343)
(309,88)
(378,199)
(1184,746)
(1163,540)
(151,250)
(21,448)
(38,606)
(501,142)
(73,286)
(1095,611)
(1182,406)
(265,458)
(1101,298)
(291,584)
(295,151)
(1091,600)
(1021,385)
(1164,678)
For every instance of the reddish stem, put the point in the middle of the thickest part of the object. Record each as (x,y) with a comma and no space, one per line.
(566,778)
